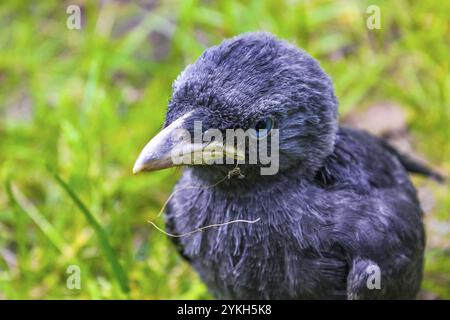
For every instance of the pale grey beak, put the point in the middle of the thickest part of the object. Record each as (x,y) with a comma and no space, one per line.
(158,153)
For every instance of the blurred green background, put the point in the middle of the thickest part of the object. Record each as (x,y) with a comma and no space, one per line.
(78,105)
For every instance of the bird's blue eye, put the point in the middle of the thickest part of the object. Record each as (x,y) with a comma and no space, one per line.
(263,127)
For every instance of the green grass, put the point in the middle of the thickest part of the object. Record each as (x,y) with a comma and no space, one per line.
(85,101)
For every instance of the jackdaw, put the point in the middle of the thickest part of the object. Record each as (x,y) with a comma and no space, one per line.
(339,220)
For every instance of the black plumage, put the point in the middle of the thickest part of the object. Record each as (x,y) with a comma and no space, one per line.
(342,201)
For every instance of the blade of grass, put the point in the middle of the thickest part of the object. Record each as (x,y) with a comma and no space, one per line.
(106,247)
(18,198)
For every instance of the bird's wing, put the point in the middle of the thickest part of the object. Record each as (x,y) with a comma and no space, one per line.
(379,220)
(364,163)
(374,159)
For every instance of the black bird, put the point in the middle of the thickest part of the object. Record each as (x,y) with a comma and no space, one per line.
(340,219)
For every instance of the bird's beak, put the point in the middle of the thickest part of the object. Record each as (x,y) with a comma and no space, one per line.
(158,153)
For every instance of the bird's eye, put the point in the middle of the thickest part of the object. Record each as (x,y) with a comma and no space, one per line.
(263,127)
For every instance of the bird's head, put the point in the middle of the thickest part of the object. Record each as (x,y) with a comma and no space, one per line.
(253,81)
